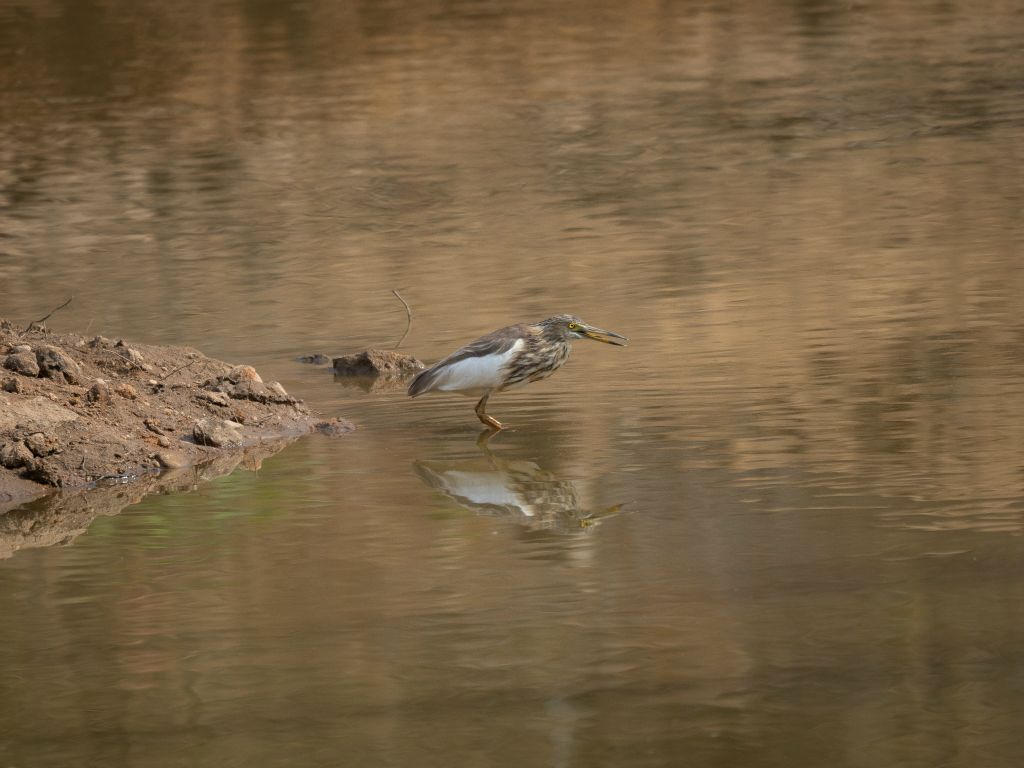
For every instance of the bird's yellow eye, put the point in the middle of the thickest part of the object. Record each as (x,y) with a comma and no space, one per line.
(573,326)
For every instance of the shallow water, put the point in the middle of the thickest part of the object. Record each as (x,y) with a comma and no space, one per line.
(781,528)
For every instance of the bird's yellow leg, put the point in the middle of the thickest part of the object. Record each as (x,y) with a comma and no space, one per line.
(481,413)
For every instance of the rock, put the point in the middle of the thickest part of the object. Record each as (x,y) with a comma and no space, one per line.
(126,390)
(242,373)
(23,363)
(99,341)
(163,442)
(335,427)
(314,359)
(17,349)
(217,398)
(277,388)
(135,356)
(171,460)
(44,472)
(218,433)
(261,393)
(14,455)
(99,392)
(377,363)
(40,444)
(13,385)
(54,364)
(153,425)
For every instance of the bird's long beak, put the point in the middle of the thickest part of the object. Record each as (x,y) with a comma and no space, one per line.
(608,337)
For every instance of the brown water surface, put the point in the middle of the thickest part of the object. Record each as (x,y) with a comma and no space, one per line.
(781,528)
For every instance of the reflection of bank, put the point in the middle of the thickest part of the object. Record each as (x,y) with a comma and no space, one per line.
(518,490)
(59,518)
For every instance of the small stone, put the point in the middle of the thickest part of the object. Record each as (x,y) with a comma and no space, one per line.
(125,352)
(260,393)
(13,385)
(15,455)
(376,363)
(23,363)
(41,471)
(153,425)
(18,349)
(216,398)
(219,433)
(126,390)
(54,364)
(163,442)
(99,392)
(99,341)
(171,460)
(277,389)
(242,373)
(40,444)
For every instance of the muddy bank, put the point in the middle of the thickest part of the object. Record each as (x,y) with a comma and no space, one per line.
(77,411)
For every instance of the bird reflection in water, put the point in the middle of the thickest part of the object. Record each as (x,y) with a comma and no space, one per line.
(515,489)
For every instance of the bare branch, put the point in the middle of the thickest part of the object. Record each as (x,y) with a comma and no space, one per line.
(408,314)
(180,368)
(42,320)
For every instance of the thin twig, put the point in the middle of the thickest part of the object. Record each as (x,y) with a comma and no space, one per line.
(179,368)
(44,319)
(408,315)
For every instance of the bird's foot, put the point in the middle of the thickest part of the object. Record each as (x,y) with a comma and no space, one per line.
(491,422)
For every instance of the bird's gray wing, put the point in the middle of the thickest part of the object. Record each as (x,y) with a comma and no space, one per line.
(495,343)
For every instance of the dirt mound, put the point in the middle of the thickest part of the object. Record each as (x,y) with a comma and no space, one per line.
(76,411)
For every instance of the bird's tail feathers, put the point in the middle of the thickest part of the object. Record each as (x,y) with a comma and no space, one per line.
(423,382)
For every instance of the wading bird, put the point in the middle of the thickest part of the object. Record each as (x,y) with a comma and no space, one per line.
(508,357)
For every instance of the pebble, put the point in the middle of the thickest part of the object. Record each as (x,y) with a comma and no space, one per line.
(217,432)
(153,425)
(243,373)
(54,364)
(217,398)
(22,362)
(40,444)
(14,455)
(171,460)
(99,392)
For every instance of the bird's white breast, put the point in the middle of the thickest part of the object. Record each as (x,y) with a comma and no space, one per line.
(476,374)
